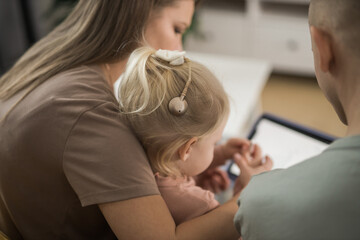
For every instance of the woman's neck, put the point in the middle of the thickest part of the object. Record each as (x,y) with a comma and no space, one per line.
(112,71)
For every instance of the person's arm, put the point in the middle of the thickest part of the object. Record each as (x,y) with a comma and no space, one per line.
(226,151)
(149,218)
(217,180)
(213,179)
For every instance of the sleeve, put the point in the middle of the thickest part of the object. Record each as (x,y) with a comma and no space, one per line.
(265,209)
(311,200)
(257,208)
(187,201)
(103,161)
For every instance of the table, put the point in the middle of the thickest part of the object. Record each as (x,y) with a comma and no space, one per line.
(243,80)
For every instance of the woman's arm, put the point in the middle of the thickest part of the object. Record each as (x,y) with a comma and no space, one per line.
(149,218)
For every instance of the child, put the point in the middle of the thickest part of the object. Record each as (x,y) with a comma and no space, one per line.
(178,110)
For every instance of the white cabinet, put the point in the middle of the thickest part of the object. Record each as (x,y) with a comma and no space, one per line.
(273,30)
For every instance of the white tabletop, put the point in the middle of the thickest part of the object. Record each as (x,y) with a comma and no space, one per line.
(243,80)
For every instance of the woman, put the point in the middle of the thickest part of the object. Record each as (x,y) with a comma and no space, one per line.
(61,135)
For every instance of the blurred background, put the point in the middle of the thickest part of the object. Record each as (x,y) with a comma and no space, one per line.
(273,31)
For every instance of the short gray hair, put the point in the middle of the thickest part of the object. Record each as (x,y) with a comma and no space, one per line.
(341,17)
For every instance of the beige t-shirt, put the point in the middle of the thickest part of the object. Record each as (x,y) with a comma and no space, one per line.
(63,150)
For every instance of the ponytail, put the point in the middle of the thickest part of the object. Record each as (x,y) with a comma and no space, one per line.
(143,85)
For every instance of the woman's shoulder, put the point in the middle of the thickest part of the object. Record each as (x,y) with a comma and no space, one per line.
(83,71)
(62,99)
(76,90)
(79,83)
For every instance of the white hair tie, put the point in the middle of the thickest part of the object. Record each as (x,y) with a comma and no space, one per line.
(177,105)
(173,57)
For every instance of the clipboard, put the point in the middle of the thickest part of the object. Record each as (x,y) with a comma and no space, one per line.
(286,142)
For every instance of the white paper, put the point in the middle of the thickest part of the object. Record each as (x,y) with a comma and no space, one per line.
(285,146)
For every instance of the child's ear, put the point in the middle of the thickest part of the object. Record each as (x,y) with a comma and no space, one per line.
(184,150)
(323,42)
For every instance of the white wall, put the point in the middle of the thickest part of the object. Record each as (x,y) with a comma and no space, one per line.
(277,33)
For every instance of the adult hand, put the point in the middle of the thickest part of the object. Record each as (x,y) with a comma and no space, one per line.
(227,150)
(250,167)
(253,154)
(213,179)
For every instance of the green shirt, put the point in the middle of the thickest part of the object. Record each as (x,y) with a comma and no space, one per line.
(316,199)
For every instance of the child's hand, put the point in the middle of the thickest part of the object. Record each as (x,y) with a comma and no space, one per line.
(227,150)
(250,167)
(213,179)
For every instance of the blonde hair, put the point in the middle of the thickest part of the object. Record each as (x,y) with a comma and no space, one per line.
(147,86)
(95,32)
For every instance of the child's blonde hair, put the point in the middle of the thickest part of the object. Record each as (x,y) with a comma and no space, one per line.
(147,86)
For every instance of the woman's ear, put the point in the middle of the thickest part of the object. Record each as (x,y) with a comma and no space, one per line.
(184,150)
(323,42)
